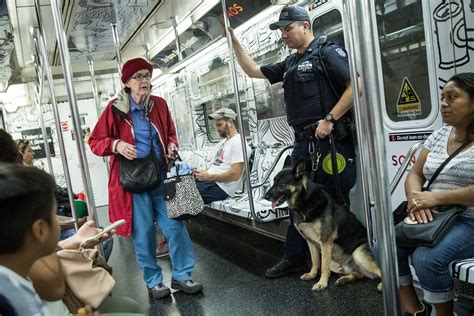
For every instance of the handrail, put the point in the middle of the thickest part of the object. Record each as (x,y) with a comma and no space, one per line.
(233,71)
(404,166)
(275,161)
(364,30)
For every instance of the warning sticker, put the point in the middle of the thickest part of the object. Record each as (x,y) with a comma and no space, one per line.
(408,103)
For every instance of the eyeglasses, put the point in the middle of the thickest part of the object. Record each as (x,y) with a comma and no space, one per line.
(140,77)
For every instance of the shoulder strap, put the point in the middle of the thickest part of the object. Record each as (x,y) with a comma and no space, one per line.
(322,44)
(454,154)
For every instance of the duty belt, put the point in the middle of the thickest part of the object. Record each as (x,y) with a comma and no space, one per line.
(304,135)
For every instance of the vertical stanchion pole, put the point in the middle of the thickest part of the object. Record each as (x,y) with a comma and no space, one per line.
(57,120)
(233,72)
(364,26)
(76,119)
(177,41)
(117,47)
(39,108)
(90,62)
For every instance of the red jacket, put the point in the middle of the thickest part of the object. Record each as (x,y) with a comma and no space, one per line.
(114,124)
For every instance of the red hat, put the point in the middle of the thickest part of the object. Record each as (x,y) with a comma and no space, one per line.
(134,65)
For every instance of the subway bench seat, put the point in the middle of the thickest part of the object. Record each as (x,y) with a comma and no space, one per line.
(463,275)
(239,206)
(272,137)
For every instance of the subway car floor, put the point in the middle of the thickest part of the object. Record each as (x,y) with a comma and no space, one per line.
(230,263)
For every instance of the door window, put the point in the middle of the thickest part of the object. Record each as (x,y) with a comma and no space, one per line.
(404,62)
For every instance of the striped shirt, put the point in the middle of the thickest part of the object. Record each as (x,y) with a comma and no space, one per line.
(458,173)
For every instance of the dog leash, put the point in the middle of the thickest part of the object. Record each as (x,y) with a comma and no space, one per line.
(335,170)
(315,154)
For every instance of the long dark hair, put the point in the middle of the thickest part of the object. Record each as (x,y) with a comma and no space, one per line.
(465,81)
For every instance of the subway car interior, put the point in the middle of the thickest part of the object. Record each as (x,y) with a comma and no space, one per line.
(61,64)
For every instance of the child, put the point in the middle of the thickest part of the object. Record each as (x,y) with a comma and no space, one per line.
(28,231)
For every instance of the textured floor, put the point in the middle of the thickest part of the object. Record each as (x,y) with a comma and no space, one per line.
(230,263)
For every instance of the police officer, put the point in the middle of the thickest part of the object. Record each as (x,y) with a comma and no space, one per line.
(313,109)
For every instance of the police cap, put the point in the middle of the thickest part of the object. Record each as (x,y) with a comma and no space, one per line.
(289,15)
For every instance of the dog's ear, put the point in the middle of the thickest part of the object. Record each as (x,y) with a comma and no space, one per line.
(299,168)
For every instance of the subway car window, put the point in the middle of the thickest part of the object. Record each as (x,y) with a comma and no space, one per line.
(182,117)
(330,25)
(216,87)
(404,63)
(269,99)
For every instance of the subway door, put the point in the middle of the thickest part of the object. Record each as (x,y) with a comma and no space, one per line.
(97,167)
(327,21)
(411,108)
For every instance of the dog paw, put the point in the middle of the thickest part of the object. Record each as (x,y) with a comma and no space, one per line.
(319,286)
(308,276)
(379,287)
(342,280)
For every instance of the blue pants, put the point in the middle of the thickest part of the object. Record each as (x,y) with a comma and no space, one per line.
(148,208)
(432,264)
(210,191)
(296,247)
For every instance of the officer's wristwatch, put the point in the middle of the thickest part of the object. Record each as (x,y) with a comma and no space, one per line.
(330,118)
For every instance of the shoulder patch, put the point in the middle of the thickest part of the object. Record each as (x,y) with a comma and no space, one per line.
(341,52)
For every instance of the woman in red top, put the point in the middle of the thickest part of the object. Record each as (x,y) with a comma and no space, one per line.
(124,129)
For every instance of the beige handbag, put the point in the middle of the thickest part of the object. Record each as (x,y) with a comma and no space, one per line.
(88,277)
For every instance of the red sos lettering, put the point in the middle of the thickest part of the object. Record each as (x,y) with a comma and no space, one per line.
(398,160)
(234,9)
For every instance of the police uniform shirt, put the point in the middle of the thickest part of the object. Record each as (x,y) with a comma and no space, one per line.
(308,96)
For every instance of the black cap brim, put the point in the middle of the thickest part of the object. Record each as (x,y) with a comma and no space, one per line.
(281,23)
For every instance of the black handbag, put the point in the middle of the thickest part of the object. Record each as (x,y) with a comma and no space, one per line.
(409,234)
(412,234)
(140,174)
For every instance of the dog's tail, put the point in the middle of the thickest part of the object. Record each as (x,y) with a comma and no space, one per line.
(366,263)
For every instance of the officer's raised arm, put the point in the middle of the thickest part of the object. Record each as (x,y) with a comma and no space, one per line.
(249,66)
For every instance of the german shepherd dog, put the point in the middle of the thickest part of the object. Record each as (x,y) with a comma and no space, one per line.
(329,229)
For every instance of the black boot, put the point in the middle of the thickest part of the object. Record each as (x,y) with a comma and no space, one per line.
(282,268)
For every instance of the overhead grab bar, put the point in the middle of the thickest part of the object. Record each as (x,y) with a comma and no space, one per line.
(275,161)
(393,185)
(404,166)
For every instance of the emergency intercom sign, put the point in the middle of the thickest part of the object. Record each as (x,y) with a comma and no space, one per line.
(408,103)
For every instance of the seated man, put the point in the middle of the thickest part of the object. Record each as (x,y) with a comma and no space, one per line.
(224,176)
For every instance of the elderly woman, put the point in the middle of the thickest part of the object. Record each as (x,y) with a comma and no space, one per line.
(124,129)
(454,186)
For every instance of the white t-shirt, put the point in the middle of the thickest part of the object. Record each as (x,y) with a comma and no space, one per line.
(226,153)
(458,173)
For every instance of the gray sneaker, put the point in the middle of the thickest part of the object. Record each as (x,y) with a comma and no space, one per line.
(159,291)
(187,286)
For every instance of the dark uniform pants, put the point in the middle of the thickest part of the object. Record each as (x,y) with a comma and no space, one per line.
(295,247)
